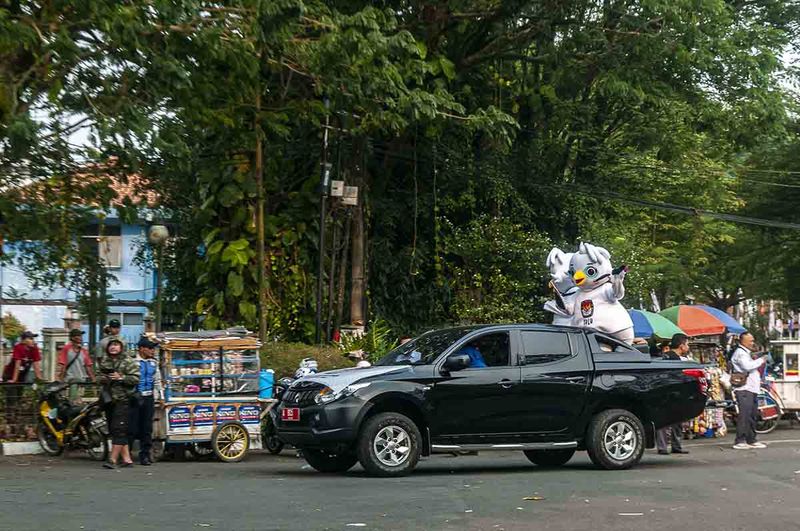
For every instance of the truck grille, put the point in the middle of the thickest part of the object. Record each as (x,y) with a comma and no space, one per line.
(302,395)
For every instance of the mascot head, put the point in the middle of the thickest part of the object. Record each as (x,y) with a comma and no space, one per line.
(590,267)
(558,264)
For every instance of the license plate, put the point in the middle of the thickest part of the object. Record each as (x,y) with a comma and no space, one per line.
(290,414)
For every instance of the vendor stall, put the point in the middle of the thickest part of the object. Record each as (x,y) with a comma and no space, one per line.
(212,392)
(786,354)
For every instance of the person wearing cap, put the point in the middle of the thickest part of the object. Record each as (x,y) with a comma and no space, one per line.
(26,355)
(113,329)
(142,408)
(118,373)
(74,362)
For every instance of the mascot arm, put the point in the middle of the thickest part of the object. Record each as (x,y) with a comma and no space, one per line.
(617,287)
(553,307)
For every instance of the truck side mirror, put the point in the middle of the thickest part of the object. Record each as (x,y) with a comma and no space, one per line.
(456,362)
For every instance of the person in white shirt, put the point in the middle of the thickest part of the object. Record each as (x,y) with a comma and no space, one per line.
(747,395)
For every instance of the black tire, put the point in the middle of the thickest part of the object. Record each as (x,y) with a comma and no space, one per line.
(97,446)
(615,439)
(270,438)
(273,444)
(766,426)
(48,441)
(549,458)
(329,463)
(397,429)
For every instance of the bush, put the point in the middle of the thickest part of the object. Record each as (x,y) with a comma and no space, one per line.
(284,358)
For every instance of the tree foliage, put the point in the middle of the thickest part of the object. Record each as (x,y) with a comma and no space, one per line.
(479,132)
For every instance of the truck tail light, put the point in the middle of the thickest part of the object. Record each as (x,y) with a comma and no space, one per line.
(700,375)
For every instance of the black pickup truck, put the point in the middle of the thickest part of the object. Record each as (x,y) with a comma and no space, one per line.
(545,390)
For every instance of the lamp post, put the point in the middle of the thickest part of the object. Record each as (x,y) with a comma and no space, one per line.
(157,236)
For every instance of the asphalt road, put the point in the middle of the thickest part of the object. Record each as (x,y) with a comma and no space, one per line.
(713,488)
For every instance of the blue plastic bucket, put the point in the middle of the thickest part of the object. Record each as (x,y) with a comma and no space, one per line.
(266,379)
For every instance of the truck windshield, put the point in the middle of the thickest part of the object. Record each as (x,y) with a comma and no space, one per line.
(426,348)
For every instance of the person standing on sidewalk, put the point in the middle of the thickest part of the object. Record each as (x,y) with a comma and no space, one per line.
(118,373)
(678,348)
(26,356)
(143,403)
(114,327)
(74,363)
(742,361)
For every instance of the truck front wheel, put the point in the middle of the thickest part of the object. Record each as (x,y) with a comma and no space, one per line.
(389,445)
(615,439)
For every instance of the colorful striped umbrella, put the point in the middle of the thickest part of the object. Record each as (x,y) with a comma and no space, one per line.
(701,320)
(648,324)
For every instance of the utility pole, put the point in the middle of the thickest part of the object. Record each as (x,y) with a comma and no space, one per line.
(323,195)
(261,253)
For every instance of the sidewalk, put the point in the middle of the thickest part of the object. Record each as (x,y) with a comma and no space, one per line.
(785,433)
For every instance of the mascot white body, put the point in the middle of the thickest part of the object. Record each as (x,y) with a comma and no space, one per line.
(566,290)
(595,304)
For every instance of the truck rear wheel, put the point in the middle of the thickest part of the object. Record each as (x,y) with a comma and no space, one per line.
(389,445)
(328,462)
(615,439)
(549,458)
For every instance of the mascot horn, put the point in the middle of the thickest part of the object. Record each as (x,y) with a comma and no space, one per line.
(600,289)
(563,287)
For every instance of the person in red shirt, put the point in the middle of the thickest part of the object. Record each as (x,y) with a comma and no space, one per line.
(74,362)
(26,354)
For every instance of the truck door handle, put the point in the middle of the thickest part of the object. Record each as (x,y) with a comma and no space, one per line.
(505,383)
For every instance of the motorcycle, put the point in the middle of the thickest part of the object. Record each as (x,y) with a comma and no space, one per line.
(64,425)
(271,441)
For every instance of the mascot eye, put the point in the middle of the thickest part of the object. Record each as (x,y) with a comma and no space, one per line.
(590,271)
(571,272)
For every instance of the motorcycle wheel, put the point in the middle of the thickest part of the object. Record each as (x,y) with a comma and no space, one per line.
(97,446)
(766,426)
(48,441)
(271,442)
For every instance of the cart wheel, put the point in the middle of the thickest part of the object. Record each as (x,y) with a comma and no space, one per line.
(230,442)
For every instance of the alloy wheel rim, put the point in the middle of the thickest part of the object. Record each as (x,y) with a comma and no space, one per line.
(620,440)
(392,446)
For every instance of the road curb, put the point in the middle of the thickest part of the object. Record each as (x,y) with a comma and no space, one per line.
(20,448)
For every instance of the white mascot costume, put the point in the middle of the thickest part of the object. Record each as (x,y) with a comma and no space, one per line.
(599,289)
(565,289)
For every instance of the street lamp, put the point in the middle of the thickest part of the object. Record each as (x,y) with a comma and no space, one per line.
(157,236)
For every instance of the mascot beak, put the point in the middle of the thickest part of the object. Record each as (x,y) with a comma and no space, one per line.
(579,278)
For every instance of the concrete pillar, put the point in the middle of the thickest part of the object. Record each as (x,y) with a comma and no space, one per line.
(53,341)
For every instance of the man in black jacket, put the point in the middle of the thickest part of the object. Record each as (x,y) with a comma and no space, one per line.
(678,347)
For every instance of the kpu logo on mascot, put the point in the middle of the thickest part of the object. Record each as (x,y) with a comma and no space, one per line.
(588,290)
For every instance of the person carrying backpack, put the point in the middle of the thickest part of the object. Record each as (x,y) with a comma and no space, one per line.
(26,355)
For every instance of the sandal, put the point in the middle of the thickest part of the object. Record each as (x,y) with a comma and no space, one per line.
(126,464)
(109,465)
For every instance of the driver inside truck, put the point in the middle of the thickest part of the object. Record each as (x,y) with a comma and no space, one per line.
(475,357)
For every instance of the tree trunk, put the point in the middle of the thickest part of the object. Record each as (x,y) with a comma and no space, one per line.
(357,271)
(337,322)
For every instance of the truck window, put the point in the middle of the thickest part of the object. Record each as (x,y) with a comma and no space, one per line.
(492,349)
(544,347)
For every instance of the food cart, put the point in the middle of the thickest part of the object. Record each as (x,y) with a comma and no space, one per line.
(787,382)
(211,392)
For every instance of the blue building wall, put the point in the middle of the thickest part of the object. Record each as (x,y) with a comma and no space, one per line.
(130,283)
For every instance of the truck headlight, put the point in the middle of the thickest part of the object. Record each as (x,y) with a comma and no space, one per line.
(327,394)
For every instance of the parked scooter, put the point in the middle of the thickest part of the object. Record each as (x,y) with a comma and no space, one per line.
(63,424)
(269,436)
